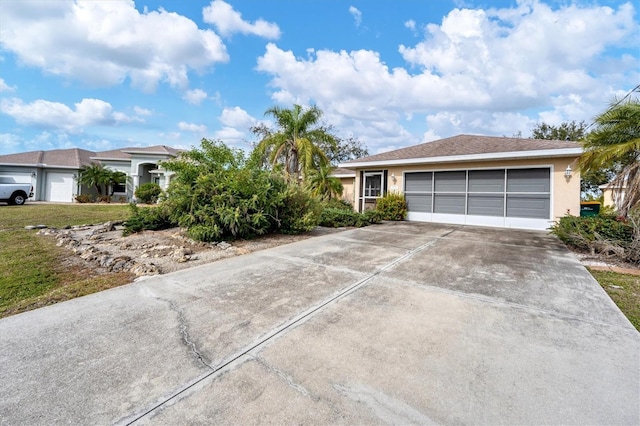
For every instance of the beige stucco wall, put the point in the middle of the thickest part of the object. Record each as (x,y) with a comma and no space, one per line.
(348,188)
(566,192)
(607,195)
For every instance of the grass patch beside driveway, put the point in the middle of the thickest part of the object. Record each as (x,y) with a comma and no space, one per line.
(624,290)
(32,270)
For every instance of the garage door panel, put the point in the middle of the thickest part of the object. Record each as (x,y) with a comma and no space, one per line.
(528,206)
(450,181)
(486,181)
(485,205)
(449,203)
(528,180)
(420,203)
(418,182)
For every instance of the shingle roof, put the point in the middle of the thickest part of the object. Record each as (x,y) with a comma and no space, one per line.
(114,153)
(467,145)
(341,171)
(74,157)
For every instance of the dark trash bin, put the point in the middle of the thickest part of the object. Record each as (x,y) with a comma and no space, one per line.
(589,208)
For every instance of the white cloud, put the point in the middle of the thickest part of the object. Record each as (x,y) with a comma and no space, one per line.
(143,112)
(173,136)
(195,96)
(106,42)
(9,143)
(4,87)
(229,21)
(411,24)
(357,15)
(12,143)
(236,117)
(230,136)
(495,71)
(56,115)
(199,129)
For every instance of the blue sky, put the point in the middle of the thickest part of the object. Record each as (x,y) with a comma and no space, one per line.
(101,75)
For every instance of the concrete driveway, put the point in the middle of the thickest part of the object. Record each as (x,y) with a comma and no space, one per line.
(397,323)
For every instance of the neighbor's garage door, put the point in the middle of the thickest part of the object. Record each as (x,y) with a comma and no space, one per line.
(519,198)
(59,187)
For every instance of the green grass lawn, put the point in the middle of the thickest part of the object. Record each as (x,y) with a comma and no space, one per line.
(624,290)
(31,271)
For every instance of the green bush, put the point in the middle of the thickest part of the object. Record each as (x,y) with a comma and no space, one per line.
(300,212)
(581,232)
(148,193)
(392,206)
(338,217)
(228,204)
(336,203)
(148,218)
(370,217)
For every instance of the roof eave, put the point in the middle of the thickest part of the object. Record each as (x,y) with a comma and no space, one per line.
(125,160)
(149,153)
(40,166)
(514,155)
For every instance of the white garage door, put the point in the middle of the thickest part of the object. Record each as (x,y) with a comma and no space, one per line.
(59,187)
(514,198)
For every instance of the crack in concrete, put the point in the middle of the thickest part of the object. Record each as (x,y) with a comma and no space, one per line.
(284,376)
(183,329)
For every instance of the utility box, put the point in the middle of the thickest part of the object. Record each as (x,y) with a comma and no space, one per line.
(589,208)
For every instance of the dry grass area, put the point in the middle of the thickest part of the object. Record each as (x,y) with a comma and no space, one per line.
(34,272)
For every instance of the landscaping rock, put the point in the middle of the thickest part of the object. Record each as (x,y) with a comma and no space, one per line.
(103,248)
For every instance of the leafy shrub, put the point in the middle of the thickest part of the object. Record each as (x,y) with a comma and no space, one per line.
(580,232)
(234,203)
(148,193)
(300,212)
(148,218)
(84,198)
(103,199)
(602,235)
(371,217)
(336,203)
(338,217)
(392,206)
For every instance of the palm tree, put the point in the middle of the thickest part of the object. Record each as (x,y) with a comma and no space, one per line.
(616,142)
(323,185)
(95,175)
(295,146)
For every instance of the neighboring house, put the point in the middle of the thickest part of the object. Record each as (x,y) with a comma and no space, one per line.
(607,195)
(476,180)
(54,174)
(347,179)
